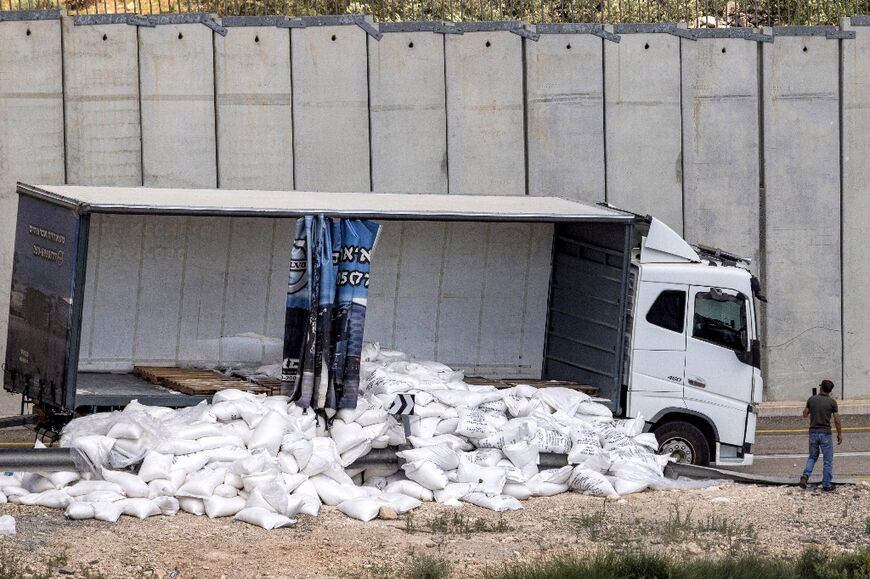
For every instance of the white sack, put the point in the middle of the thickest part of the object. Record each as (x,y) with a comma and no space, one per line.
(133,486)
(61,479)
(202,484)
(363,509)
(223,507)
(590,482)
(102,497)
(7,525)
(489,480)
(270,432)
(496,503)
(84,487)
(411,489)
(263,518)
(155,466)
(177,446)
(226,491)
(426,473)
(126,430)
(400,503)
(333,493)
(517,490)
(441,455)
(109,512)
(139,508)
(79,511)
(192,505)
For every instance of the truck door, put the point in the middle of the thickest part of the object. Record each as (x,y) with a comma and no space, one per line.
(718,382)
(658,354)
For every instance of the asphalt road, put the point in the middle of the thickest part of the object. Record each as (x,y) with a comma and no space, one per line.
(780,447)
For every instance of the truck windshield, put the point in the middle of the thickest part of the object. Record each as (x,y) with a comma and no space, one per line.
(721,321)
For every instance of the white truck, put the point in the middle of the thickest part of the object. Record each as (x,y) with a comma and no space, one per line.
(694,370)
(108,279)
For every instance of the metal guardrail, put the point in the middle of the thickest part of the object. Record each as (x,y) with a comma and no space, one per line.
(696,13)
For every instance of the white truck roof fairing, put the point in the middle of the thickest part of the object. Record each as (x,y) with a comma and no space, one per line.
(663,245)
(140,200)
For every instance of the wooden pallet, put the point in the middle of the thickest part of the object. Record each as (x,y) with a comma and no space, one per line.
(200,382)
(511,382)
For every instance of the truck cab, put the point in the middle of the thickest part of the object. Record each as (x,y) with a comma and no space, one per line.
(693,365)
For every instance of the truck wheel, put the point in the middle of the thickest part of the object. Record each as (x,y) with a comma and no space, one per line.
(685,441)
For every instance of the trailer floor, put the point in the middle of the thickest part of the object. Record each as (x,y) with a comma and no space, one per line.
(109,389)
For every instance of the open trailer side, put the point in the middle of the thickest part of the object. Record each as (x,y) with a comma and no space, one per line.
(107,279)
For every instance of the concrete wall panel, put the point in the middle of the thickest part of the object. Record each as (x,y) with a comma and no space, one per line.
(485,139)
(254,116)
(565,86)
(642,108)
(330,102)
(802,218)
(101,95)
(856,213)
(178,117)
(408,115)
(721,142)
(31,135)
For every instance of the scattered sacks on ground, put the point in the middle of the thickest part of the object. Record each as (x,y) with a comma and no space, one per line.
(264,460)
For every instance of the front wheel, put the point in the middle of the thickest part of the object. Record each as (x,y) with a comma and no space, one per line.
(684,441)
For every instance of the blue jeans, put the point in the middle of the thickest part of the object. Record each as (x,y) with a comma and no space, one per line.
(824,442)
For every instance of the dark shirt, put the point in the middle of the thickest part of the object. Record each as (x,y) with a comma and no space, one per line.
(821,407)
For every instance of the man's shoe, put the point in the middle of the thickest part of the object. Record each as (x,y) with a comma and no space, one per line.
(803,482)
(828,489)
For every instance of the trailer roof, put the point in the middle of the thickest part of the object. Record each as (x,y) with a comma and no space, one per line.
(250,203)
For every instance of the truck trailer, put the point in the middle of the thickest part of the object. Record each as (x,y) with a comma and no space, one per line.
(109,279)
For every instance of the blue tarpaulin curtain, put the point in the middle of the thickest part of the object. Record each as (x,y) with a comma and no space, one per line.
(327,293)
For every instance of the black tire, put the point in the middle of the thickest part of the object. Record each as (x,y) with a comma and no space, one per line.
(685,440)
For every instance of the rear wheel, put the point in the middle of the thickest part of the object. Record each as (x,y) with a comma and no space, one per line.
(684,441)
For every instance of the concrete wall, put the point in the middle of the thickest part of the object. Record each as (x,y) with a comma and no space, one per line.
(101,96)
(856,212)
(254,112)
(31,134)
(802,214)
(408,113)
(330,108)
(176,75)
(643,125)
(485,113)
(666,125)
(721,107)
(565,88)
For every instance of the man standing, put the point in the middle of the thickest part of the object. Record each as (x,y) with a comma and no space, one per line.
(820,408)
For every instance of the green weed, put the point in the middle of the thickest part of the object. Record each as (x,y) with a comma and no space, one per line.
(812,564)
(459,524)
(427,567)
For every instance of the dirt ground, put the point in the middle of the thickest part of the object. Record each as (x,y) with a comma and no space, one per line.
(776,520)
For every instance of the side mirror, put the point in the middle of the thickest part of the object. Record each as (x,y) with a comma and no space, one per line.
(752,356)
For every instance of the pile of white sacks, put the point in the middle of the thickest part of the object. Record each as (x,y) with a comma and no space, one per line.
(263,460)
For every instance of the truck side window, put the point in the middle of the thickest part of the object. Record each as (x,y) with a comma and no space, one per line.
(669,311)
(722,321)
